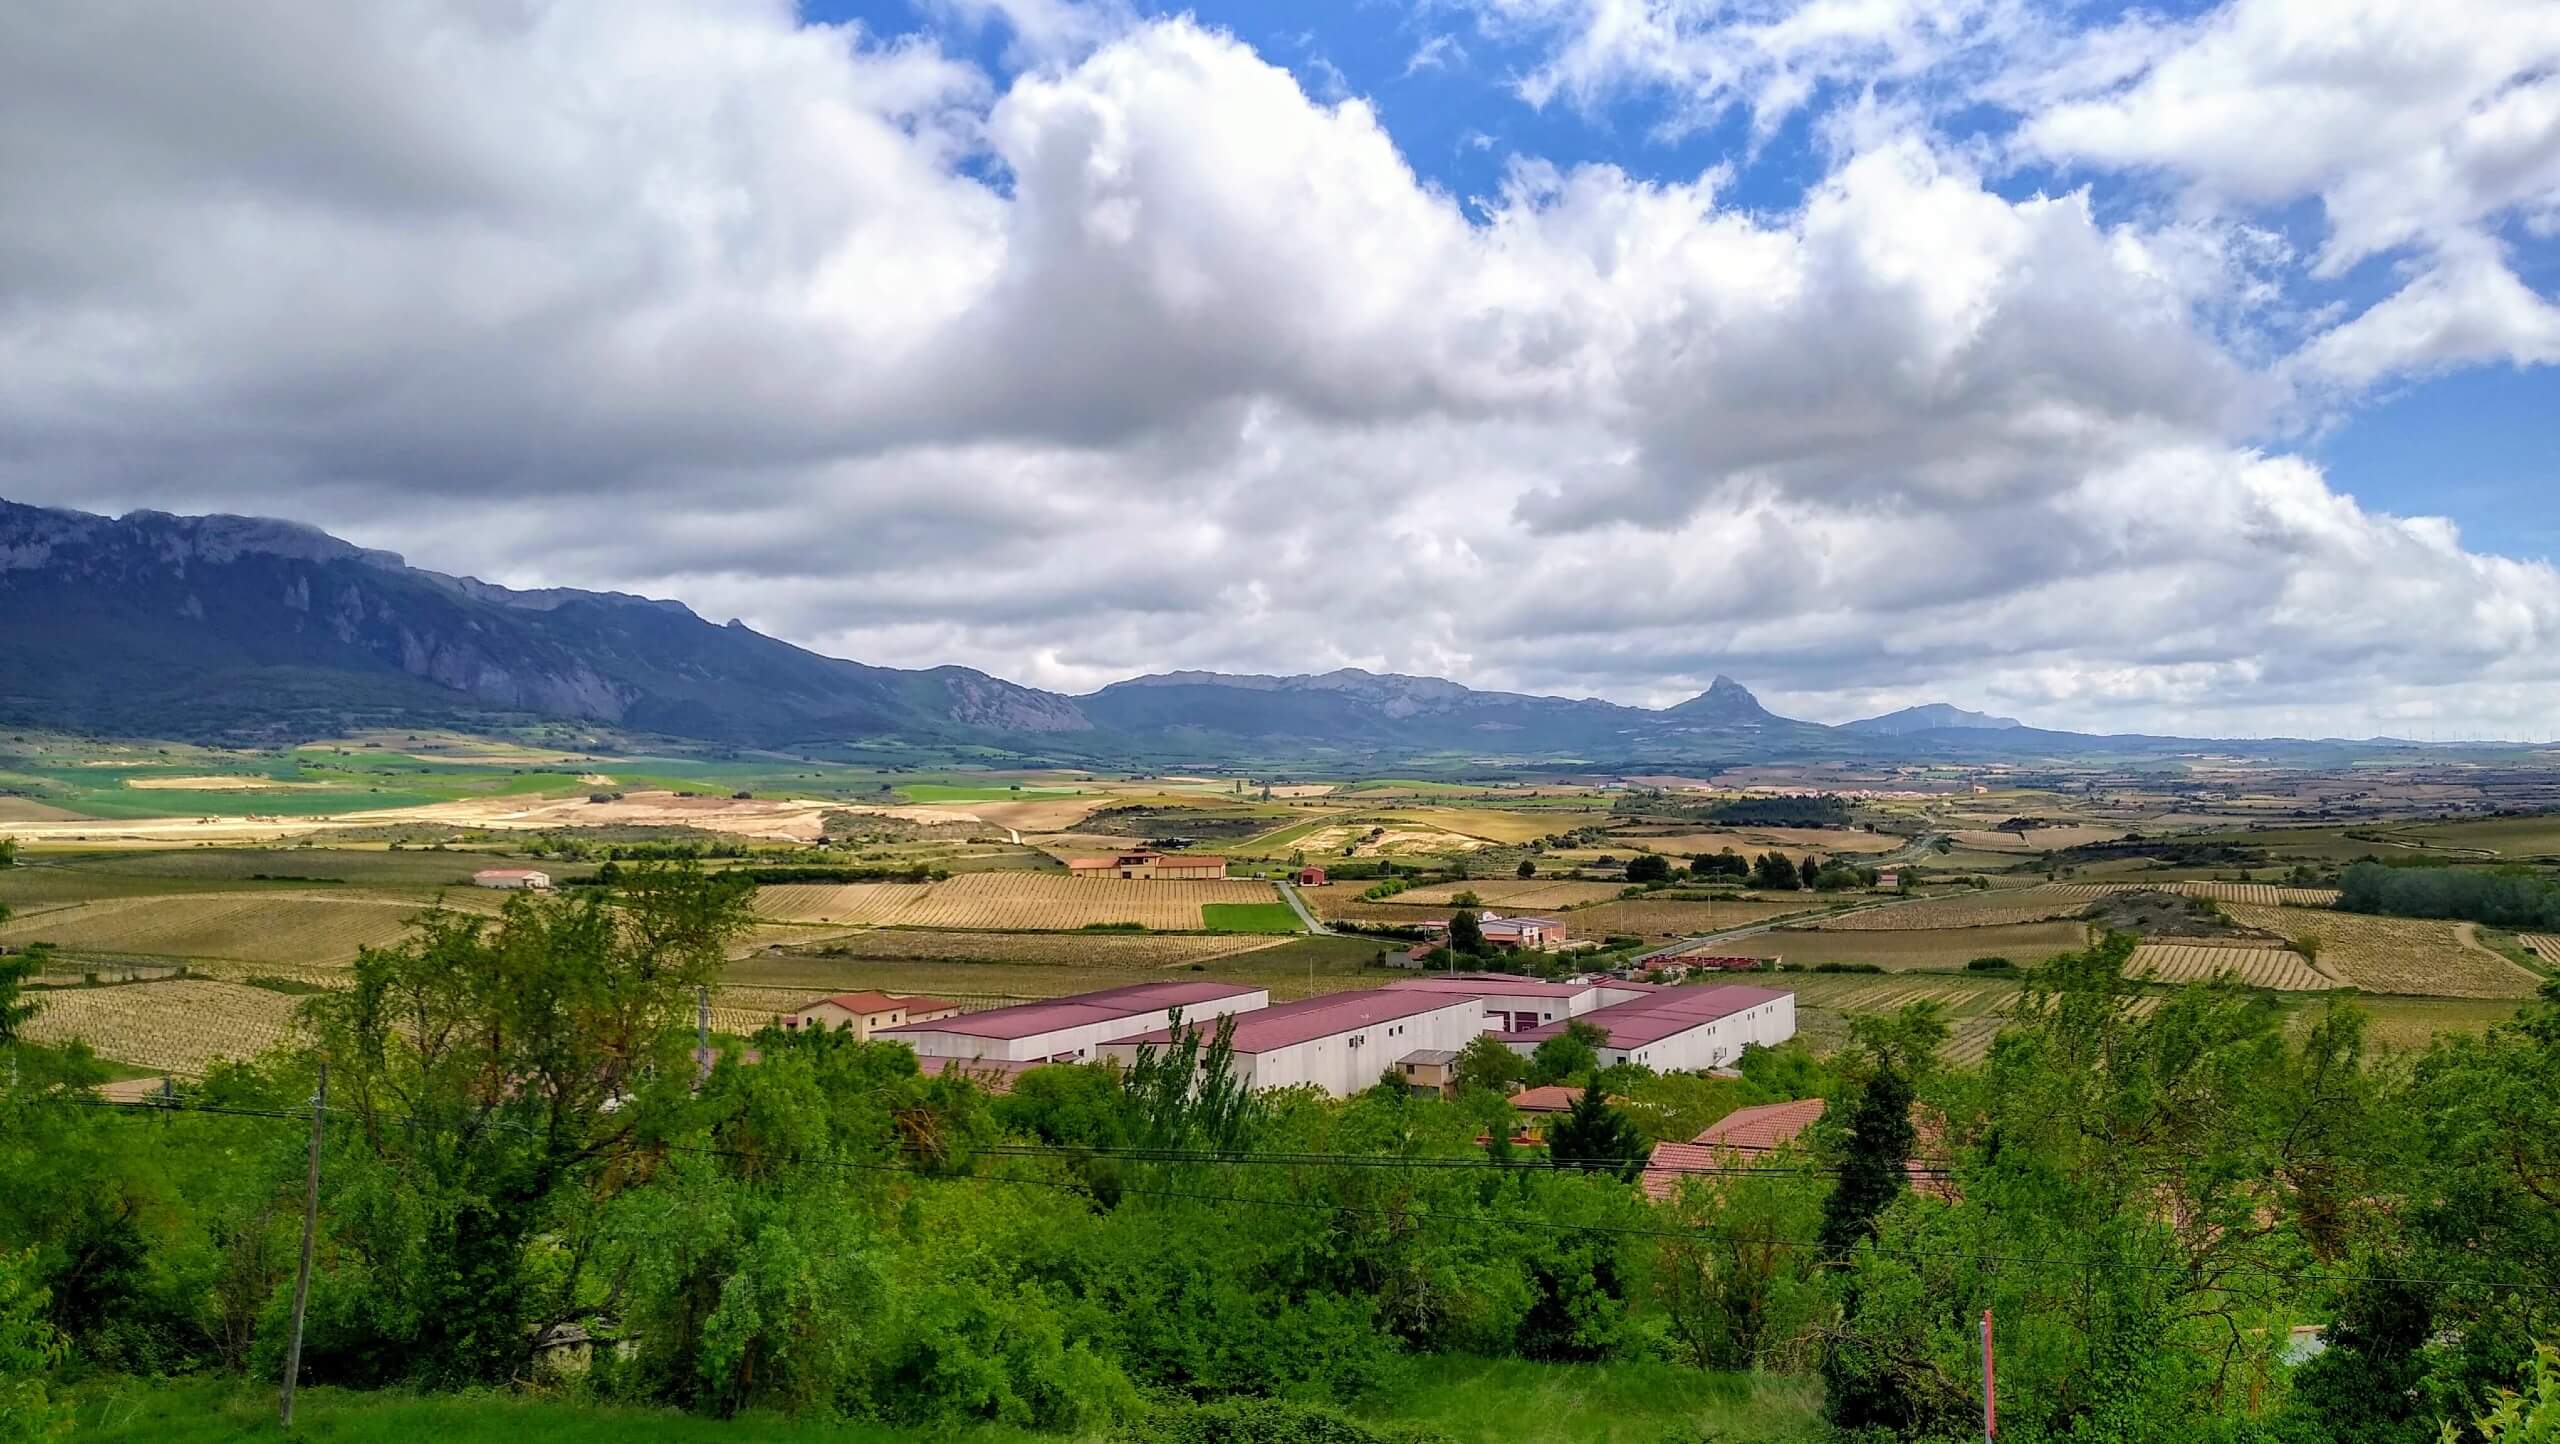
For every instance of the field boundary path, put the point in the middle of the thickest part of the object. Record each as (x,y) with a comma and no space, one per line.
(1298,905)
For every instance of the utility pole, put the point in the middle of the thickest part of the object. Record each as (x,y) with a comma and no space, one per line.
(1990,1395)
(701,1036)
(310,1226)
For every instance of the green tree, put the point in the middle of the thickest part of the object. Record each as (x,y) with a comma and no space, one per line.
(496,1075)
(1597,1137)
(1735,1283)
(1875,1148)
(1648,867)
(1809,870)
(2531,1416)
(1487,1063)
(1466,934)
(30,1347)
(16,1008)
(1570,1054)
(1775,872)
(1528,868)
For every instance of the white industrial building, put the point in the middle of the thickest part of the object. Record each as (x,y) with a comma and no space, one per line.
(1681,1030)
(1514,1004)
(1070,1029)
(1340,1042)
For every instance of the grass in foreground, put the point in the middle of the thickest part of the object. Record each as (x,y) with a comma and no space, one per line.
(1473,1401)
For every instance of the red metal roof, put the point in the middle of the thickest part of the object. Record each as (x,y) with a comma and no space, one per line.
(1284,1025)
(996,1075)
(1665,1013)
(1489,985)
(1023,1020)
(1551,1098)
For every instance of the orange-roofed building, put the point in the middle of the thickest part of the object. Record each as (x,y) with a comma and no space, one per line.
(863,1012)
(1747,1135)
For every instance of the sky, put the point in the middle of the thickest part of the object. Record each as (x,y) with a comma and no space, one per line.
(2189,368)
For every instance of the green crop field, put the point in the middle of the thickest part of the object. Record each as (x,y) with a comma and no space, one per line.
(1248,917)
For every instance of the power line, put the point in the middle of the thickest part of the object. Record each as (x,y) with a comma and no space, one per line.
(1407,1211)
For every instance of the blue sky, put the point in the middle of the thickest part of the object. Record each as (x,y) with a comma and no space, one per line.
(2113,368)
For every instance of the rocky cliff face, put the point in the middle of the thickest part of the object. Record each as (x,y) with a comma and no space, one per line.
(113,622)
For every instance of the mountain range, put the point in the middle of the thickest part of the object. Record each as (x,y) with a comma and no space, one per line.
(239,628)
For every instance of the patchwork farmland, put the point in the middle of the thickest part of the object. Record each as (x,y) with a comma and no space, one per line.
(2260,893)
(2394,955)
(1965,910)
(2025,944)
(1009,901)
(258,926)
(1516,894)
(177,1026)
(2280,969)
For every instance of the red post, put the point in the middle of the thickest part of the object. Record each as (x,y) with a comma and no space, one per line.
(1990,1392)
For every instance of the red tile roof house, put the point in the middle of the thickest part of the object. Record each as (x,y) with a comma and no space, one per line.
(867,1012)
(1339,1042)
(1069,1029)
(1747,1135)
(1680,1030)
(1549,1098)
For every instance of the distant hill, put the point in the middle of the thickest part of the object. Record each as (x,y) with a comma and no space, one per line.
(159,625)
(1928,717)
(242,628)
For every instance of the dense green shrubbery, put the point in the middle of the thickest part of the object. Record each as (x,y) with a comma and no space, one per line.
(2521,901)
(1819,810)
(2146,1196)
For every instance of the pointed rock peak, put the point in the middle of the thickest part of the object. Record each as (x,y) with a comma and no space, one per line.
(1724,698)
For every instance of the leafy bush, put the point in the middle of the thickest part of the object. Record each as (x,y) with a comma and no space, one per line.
(1264,1421)
(2503,900)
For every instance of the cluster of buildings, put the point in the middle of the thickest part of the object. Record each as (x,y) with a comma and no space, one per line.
(1339,1042)
(1146,866)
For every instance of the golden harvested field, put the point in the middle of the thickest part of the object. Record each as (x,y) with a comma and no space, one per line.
(2543,946)
(2261,893)
(2395,955)
(1130,952)
(251,926)
(1484,824)
(1515,893)
(1042,900)
(1674,919)
(838,902)
(178,1026)
(1963,910)
(1397,839)
(2025,944)
(2279,968)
